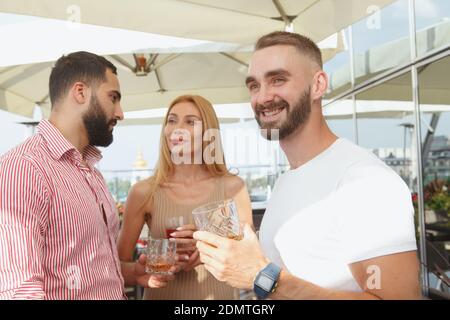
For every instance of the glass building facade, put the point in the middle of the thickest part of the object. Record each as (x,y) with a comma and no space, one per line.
(390,92)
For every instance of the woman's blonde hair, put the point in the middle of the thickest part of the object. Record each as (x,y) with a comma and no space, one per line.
(209,121)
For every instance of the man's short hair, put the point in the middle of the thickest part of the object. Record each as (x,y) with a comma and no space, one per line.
(303,44)
(77,66)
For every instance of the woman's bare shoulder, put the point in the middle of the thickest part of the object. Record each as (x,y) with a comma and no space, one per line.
(141,189)
(233,185)
(139,197)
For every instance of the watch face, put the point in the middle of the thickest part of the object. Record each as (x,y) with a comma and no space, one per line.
(265,283)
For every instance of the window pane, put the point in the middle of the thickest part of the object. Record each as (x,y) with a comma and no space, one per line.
(386,125)
(377,37)
(432,25)
(339,115)
(434,96)
(338,70)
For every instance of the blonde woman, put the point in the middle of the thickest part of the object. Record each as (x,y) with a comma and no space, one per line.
(187,175)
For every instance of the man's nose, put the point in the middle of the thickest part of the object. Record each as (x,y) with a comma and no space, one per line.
(119,113)
(264,95)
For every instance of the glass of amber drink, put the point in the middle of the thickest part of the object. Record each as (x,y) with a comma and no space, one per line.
(161,255)
(220,218)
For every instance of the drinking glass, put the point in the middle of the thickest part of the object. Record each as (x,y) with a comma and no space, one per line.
(172,223)
(219,217)
(161,255)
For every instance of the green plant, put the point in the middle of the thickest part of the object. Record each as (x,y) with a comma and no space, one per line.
(440,202)
(437,197)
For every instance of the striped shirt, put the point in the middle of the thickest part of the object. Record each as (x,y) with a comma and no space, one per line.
(58,223)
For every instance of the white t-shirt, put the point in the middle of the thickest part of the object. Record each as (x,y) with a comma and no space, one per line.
(343,206)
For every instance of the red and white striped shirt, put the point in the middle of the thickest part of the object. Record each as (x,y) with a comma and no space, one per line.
(54,240)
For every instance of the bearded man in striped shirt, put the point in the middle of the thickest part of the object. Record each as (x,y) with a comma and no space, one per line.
(58,221)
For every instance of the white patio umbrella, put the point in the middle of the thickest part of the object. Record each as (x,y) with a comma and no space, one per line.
(226,113)
(162,78)
(339,110)
(234,21)
(217,74)
(162,70)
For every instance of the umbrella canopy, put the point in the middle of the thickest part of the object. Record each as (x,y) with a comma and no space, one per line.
(215,71)
(161,70)
(339,110)
(216,76)
(226,113)
(234,21)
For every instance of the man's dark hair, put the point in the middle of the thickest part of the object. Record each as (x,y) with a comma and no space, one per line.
(77,66)
(303,44)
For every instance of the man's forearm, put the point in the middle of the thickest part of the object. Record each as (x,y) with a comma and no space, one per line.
(292,288)
(128,273)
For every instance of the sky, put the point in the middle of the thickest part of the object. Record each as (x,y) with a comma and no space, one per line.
(128,139)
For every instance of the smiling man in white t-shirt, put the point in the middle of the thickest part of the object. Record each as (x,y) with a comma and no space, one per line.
(339,223)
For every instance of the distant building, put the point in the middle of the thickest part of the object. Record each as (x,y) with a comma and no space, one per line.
(398,159)
(437,165)
(140,168)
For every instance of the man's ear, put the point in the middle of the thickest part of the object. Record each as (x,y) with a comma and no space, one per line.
(80,92)
(319,85)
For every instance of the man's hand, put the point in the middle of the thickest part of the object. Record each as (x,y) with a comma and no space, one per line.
(234,262)
(150,280)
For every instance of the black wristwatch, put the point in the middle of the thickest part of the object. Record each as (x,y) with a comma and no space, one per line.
(266,281)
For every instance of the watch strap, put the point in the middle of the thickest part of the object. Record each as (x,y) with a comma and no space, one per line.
(271,271)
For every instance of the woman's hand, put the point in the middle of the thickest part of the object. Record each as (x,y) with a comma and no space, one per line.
(183,237)
(186,247)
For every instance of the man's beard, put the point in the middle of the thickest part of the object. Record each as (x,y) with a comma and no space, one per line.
(295,118)
(97,125)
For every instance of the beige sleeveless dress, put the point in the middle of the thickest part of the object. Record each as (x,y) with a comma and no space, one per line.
(197,284)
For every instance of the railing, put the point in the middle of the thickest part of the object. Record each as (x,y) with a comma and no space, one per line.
(259,179)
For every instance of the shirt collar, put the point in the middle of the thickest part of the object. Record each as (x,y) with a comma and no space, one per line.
(59,146)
